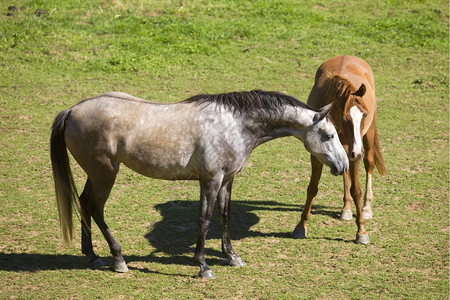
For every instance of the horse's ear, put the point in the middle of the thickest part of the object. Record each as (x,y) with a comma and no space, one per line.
(322,113)
(361,91)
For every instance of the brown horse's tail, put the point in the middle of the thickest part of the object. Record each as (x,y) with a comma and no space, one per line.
(65,189)
(379,161)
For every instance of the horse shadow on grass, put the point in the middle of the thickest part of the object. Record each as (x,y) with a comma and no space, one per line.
(175,235)
(173,238)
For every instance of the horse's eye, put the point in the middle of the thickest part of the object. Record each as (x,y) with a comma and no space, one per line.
(330,136)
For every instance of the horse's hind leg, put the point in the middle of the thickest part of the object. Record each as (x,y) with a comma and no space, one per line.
(224,216)
(86,236)
(101,189)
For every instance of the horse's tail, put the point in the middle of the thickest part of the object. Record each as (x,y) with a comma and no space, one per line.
(65,189)
(379,161)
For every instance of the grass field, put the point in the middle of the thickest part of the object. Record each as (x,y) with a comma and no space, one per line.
(166,51)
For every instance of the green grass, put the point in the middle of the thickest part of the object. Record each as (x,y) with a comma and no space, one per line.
(166,51)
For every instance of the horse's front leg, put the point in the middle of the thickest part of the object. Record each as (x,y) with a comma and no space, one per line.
(224,198)
(361,236)
(301,229)
(369,164)
(208,194)
(346,212)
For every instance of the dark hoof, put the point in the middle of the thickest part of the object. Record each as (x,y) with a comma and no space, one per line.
(96,263)
(362,239)
(346,215)
(299,233)
(208,274)
(120,267)
(237,262)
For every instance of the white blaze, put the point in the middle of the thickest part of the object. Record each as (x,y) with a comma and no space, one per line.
(357,116)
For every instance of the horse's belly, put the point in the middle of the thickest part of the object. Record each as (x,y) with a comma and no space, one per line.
(163,165)
(166,174)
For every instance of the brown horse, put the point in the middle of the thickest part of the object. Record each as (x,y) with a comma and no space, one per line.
(348,83)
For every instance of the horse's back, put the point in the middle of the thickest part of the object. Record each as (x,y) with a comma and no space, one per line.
(98,116)
(143,135)
(354,69)
(165,141)
(121,95)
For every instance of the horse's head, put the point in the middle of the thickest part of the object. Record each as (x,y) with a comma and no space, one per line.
(354,112)
(322,141)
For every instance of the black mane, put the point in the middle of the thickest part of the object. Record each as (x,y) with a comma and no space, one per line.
(255,101)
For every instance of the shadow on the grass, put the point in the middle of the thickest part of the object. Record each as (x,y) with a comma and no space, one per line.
(173,238)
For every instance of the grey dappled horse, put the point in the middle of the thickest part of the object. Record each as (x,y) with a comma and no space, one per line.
(206,137)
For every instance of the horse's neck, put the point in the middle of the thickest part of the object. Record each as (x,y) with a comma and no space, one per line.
(293,122)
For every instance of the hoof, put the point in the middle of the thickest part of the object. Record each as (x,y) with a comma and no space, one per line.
(120,267)
(362,239)
(208,274)
(96,263)
(299,233)
(346,215)
(237,262)
(367,214)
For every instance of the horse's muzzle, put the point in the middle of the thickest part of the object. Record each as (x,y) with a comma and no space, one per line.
(334,171)
(340,167)
(356,156)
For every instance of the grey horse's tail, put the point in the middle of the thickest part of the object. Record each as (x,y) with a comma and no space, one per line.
(65,189)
